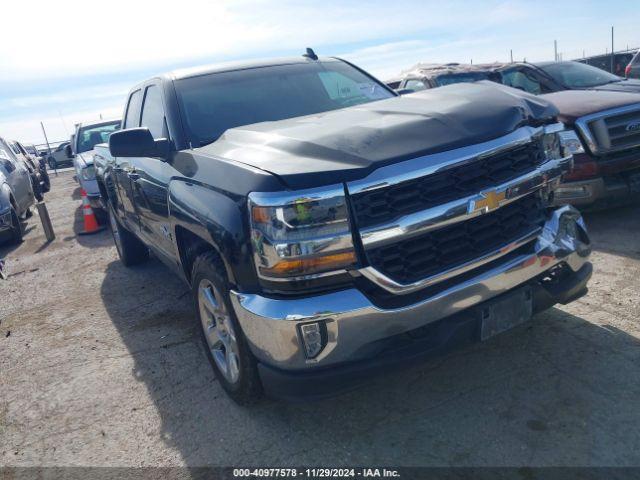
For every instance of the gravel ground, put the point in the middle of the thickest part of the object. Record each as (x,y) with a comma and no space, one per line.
(100,365)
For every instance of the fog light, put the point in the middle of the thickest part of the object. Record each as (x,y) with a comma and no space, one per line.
(314,338)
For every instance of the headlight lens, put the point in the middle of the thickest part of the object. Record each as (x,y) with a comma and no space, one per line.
(551,142)
(570,142)
(300,234)
(88,173)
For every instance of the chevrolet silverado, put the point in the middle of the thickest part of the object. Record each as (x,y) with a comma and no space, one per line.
(330,229)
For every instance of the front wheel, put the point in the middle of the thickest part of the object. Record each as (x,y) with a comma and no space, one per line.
(130,249)
(225,344)
(52,163)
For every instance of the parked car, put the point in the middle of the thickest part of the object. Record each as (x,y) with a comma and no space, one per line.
(39,161)
(37,170)
(603,62)
(607,149)
(606,168)
(543,77)
(16,194)
(82,148)
(330,229)
(32,150)
(633,68)
(60,157)
(424,75)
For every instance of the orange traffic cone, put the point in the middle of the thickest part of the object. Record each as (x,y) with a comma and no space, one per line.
(90,221)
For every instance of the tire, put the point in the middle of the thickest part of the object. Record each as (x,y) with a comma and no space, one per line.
(130,249)
(216,316)
(16,236)
(52,163)
(37,188)
(46,181)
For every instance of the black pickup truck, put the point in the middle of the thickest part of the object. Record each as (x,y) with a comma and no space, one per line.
(329,228)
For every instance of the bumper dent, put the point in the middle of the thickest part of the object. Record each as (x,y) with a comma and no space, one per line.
(353,322)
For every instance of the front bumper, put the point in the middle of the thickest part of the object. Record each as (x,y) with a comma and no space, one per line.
(609,190)
(356,328)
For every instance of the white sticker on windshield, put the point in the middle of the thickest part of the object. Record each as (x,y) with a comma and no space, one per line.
(372,91)
(3,155)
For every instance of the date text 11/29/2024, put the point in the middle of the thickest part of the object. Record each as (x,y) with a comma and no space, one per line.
(316,472)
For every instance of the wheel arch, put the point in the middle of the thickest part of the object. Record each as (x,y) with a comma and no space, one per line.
(203,219)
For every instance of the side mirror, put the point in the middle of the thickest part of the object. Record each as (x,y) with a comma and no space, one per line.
(404,91)
(68,152)
(137,142)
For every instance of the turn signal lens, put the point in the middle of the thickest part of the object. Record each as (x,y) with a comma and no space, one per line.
(310,265)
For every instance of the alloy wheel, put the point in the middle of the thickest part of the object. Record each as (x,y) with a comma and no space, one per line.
(218,330)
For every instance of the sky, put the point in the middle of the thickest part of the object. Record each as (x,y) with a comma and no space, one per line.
(71,60)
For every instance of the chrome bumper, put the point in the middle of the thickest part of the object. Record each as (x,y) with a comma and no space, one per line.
(587,192)
(353,321)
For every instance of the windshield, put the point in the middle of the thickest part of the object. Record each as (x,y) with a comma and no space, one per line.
(578,75)
(90,136)
(448,79)
(213,103)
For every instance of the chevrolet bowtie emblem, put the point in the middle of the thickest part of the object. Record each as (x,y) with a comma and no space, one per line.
(490,202)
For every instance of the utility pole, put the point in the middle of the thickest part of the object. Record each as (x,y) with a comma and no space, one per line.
(47,141)
(555,50)
(612,54)
(511,55)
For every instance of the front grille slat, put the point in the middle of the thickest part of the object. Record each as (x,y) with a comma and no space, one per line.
(621,135)
(390,203)
(440,250)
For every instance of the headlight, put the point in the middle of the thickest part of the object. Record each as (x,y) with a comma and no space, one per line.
(300,234)
(570,142)
(551,142)
(88,173)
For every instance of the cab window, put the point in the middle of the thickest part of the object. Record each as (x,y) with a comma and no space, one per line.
(153,113)
(415,85)
(132,118)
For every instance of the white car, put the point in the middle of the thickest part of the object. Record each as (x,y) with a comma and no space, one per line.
(83,142)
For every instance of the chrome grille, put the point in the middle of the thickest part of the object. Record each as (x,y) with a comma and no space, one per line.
(614,130)
(432,218)
(623,130)
(447,248)
(386,204)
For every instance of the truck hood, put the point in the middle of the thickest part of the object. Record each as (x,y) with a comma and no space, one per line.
(574,104)
(629,85)
(347,144)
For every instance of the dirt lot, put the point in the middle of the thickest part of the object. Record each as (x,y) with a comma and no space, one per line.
(100,365)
